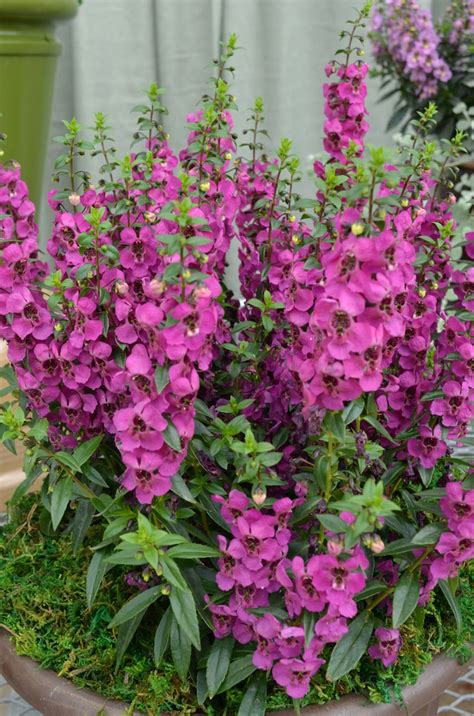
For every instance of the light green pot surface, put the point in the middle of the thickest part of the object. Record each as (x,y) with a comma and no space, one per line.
(28,59)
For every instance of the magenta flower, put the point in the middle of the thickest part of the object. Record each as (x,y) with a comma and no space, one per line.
(142,475)
(458,507)
(294,675)
(429,447)
(140,426)
(388,645)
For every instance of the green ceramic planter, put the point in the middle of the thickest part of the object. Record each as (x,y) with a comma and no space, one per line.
(28,59)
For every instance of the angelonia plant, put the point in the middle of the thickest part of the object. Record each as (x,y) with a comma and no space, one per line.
(277,474)
(419,59)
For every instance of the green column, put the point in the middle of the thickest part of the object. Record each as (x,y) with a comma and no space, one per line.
(28,60)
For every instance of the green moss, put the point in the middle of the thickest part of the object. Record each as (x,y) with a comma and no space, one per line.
(43,603)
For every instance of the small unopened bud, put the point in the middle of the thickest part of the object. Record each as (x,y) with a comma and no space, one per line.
(228,156)
(360,53)
(159,570)
(205,185)
(204,258)
(74,199)
(357,228)
(295,239)
(150,217)
(167,135)
(375,544)
(422,292)
(434,285)
(292,218)
(382,214)
(165,589)
(335,546)
(186,274)
(404,202)
(233,98)
(452,199)
(2,153)
(259,495)
(156,287)
(58,327)
(121,288)
(201,292)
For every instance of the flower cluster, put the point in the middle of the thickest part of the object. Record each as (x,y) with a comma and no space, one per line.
(345,108)
(405,33)
(254,565)
(142,299)
(269,447)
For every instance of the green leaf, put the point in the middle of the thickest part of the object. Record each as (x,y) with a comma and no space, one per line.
(426,474)
(379,427)
(333,523)
(218,663)
(66,459)
(309,620)
(405,598)
(254,701)
(239,670)
(85,451)
(62,493)
(180,649)
(184,610)
(201,687)
(98,568)
(171,437)
(172,573)
(334,424)
(84,515)
(428,535)
(162,378)
(162,636)
(348,651)
(125,635)
(453,603)
(135,605)
(192,551)
(180,488)
(353,411)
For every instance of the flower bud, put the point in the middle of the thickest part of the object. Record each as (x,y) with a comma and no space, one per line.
(74,199)
(156,287)
(150,217)
(228,156)
(201,292)
(58,327)
(259,495)
(434,285)
(292,218)
(357,228)
(451,199)
(205,185)
(335,546)
(121,288)
(375,544)
(295,239)
(186,274)
(166,589)
(422,292)
(404,203)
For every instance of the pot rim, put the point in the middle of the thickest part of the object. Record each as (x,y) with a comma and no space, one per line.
(44,689)
(38,10)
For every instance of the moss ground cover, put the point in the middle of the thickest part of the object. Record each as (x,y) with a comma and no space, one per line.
(43,604)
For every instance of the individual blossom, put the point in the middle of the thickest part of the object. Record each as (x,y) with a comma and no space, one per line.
(388,645)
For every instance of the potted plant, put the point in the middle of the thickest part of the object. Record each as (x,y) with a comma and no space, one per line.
(28,59)
(249,505)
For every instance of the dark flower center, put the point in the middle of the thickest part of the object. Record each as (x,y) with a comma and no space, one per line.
(139,425)
(340,322)
(31,312)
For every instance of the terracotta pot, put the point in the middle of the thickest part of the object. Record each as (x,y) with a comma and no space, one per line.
(56,696)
